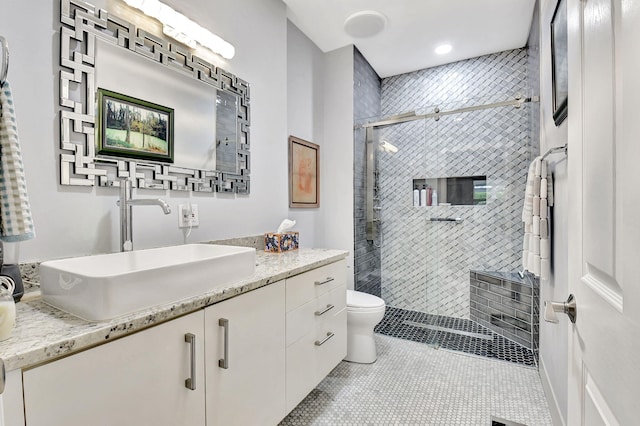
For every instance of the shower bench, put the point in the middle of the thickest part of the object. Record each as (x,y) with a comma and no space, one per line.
(506,304)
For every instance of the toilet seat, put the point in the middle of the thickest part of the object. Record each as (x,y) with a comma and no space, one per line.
(363,302)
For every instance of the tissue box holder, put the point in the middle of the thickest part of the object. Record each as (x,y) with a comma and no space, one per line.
(279,243)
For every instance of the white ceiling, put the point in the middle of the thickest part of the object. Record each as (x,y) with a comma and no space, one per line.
(415,27)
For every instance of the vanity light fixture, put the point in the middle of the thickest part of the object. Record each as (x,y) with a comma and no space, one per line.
(443,49)
(183,29)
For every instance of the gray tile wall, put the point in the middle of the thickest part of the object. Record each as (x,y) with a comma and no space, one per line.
(366,108)
(507,305)
(425,265)
(533,79)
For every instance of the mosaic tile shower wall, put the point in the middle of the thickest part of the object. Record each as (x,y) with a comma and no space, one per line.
(366,105)
(425,265)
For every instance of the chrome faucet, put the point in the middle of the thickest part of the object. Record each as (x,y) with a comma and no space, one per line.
(126,203)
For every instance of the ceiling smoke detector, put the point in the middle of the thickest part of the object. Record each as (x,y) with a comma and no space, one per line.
(365,24)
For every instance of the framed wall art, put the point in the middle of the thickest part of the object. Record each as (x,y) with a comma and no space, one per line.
(559,66)
(304,173)
(133,128)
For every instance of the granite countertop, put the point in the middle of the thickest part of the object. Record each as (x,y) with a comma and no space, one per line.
(44,333)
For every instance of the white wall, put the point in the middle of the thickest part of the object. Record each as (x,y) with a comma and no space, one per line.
(554,337)
(305,114)
(336,195)
(76,221)
(320,110)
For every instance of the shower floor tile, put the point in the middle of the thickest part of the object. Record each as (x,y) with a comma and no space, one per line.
(455,334)
(415,384)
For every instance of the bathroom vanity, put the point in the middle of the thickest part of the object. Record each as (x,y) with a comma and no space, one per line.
(247,353)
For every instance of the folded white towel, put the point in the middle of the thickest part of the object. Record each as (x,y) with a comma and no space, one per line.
(544,268)
(528,194)
(16,223)
(545,249)
(538,198)
(544,228)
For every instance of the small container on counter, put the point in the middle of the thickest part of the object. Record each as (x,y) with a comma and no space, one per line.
(7,307)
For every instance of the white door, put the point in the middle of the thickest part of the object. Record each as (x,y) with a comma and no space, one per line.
(604,223)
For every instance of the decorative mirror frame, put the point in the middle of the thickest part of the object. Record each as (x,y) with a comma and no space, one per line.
(83,23)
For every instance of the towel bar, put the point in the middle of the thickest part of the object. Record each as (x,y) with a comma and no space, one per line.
(564,148)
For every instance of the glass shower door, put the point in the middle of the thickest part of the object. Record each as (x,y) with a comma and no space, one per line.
(482,155)
(404,245)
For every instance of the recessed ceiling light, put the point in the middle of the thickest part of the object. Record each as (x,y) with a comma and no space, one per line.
(443,49)
(365,24)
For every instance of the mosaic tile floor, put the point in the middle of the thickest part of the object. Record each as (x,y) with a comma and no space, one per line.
(456,334)
(415,384)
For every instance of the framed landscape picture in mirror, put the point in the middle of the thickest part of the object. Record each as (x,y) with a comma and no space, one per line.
(304,173)
(559,67)
(133,128)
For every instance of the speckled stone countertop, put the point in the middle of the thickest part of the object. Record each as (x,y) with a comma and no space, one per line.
(44,333)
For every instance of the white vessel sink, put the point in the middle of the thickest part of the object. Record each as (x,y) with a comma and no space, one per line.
(106,286)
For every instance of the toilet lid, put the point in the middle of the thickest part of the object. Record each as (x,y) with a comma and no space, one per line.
(358,299)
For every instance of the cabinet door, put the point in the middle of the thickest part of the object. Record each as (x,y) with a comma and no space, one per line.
(12,405)
(135,380)
(250,388)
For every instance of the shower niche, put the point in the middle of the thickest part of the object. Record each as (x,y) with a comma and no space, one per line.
(450,191)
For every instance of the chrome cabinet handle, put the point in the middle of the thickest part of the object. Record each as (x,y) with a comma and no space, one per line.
(568,307)
(323,341)
(2,376)
(328,280)
(224,362)
(190,383)
(325,310)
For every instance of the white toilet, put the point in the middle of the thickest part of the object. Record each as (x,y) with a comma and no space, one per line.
(364,311)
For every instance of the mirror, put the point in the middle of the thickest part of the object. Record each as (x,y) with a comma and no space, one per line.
(211,131)
(226,135)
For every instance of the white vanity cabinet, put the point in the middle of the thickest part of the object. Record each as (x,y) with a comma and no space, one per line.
(139,379)
(245,360)
(251,359)
(316,335)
